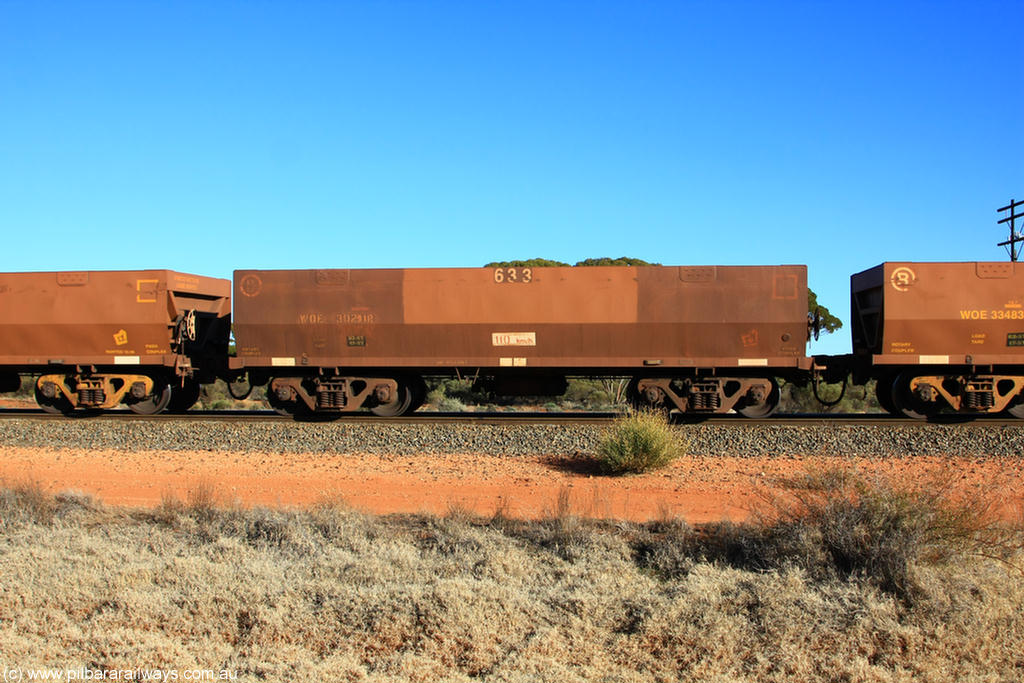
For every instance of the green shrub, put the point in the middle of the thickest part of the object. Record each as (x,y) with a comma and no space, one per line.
(855,399)
(638,442)
(450,404)
(459,391)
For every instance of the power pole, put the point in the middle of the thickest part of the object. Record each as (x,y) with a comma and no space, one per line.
(1015,237)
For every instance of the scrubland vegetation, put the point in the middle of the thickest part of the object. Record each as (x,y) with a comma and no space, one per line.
(609,395)
(836,578)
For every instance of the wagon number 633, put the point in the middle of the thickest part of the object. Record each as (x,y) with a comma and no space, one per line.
(523,275)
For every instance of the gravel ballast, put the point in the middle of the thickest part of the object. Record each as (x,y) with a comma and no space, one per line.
(972,439)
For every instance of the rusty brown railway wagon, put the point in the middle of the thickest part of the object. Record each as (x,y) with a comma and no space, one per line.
(97,339)
(941,335)
(698,339)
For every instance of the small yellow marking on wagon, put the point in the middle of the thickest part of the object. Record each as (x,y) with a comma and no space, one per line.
(146,291)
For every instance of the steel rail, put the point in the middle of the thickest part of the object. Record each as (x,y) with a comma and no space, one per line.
(523,418)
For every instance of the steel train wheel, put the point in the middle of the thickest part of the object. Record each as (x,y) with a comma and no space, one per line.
(656,401)
(59,405)
(398,406)
(286,408)
(765,408)
(183,398)
(1016,408)
(908,404)
(883,392)
(156,402)
(419,393)
(633,394)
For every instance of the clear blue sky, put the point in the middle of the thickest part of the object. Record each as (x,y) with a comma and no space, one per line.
(205,136)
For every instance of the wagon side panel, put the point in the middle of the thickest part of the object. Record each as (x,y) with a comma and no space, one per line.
(104,317)
(953,313)
(545,317)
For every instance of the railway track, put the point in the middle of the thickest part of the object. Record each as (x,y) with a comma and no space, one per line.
(504,434)
(515,418)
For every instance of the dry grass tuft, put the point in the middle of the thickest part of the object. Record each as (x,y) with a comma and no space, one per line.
(25,502)
(201,500)
(639,442)
(836,524)
(882,529)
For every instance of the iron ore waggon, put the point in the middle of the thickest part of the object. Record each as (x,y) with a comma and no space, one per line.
(97,339)
(939,336)
(694,338)
(698,339)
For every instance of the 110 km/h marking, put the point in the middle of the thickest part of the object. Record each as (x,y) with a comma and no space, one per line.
(514,339)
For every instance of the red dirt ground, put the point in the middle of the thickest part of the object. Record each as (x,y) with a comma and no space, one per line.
(698,489)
